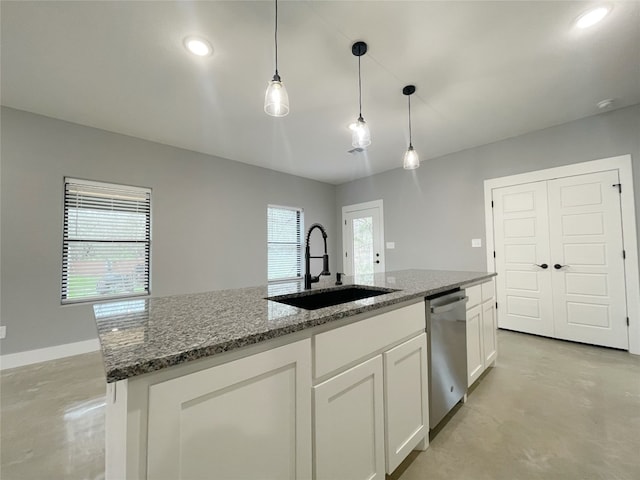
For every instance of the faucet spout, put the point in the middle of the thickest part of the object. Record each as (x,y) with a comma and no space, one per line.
(308,278)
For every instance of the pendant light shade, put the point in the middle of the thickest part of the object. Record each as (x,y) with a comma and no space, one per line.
(360,134)
(411,160)
(276,99)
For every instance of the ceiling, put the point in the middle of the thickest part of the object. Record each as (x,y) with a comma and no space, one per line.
(484,71)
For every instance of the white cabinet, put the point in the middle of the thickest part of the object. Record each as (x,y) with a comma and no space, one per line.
(489,328)
(264,412)
(475,363)
(481,329)
(349,424)
(370,416)
(406,399)
(250,418)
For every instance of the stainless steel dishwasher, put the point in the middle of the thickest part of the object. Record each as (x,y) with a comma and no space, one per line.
(447,333)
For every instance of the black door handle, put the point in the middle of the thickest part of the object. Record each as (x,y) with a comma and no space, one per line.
(377,261)
(543,265)
(557,266)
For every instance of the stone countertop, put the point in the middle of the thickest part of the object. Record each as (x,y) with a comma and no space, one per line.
(139,336)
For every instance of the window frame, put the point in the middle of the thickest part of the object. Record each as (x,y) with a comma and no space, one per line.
(131,189)
(300,212)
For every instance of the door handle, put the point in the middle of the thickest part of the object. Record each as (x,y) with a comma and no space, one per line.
(557,266)
(377,261)
(544,266)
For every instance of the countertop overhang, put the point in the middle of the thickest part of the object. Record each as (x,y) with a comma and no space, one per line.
(139,336)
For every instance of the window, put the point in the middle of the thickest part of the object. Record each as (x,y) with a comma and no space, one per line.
(106,243)
(284,243)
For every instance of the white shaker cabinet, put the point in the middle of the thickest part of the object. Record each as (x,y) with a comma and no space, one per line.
(349,424)
(348,402)
(250,418)
(406,400)
(475,362)
(481,329)
(489,330)
(370,416)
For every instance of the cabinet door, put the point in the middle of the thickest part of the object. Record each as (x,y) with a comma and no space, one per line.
(475,365)
(489,340)
(250,418)
(406,399)
(349,424)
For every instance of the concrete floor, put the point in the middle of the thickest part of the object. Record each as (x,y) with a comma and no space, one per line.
(548,410)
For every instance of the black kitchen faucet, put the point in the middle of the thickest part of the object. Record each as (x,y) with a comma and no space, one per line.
(308,279)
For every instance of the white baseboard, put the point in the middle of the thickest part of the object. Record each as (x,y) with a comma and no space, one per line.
(21,359)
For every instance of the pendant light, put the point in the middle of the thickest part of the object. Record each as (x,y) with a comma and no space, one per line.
(411,160)
(360,134)
(276,99)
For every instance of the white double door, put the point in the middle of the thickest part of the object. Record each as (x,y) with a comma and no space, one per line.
(559,258)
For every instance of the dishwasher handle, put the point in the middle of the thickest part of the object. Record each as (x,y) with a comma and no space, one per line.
(449,306)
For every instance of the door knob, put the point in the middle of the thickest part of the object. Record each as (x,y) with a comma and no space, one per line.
(377,261)
(557,266)
(543,265)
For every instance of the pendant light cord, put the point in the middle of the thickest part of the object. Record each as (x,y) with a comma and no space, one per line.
(359,87)
(276,37)
(409,98)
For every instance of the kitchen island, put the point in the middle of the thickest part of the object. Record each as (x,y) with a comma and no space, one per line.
(229,384)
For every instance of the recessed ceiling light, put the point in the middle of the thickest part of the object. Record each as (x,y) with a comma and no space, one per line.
(592,17)
(198,46)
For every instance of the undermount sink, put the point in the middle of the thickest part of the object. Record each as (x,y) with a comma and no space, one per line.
(310,300)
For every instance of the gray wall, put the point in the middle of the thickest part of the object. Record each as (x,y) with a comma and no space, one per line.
(208,219)
(432,213)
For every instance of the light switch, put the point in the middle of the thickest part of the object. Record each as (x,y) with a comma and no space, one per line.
(391,245)
(476,242)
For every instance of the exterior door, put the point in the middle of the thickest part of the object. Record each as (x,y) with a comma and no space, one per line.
(363,238)
(559,258)
(589,299)
(521,229)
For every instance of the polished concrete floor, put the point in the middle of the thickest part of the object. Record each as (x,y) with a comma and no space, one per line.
(52,420)
(548,410)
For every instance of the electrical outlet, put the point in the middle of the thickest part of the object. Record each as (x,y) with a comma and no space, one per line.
(3,332)
(476,242)
(391,245)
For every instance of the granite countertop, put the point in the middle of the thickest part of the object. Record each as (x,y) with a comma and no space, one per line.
(144,335)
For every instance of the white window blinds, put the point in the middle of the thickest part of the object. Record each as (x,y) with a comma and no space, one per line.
(106,241)
(284,243)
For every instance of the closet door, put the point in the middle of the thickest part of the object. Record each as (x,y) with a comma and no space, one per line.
(521,233)
(586,263)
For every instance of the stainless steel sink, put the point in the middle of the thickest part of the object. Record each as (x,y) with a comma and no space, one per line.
(312,300)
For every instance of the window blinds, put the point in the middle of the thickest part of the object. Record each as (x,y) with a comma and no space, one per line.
(106,241)
(284,243)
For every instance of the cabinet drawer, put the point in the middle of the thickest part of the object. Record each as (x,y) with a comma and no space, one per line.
(343,346)
(475,296)
(488,290)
